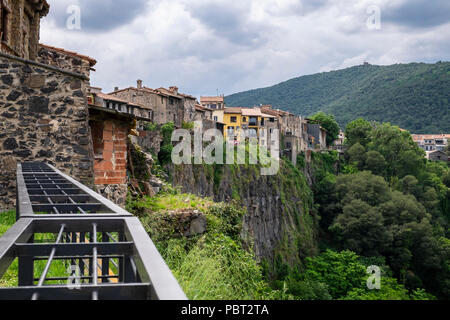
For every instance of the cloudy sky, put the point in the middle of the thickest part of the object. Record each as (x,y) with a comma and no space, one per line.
(207,45)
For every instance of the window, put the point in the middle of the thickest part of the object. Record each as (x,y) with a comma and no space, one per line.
(238,128)
(170,101)
(213,106)
(262,122)
(244,119)
(253,121)
(4,24)
(216,118)
(272,120)
(233,119)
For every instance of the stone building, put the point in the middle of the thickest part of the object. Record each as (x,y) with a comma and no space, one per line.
(168,105)
(19,26)
(438,156)
(214,103)
(431,142)
(44,114)
(292,138)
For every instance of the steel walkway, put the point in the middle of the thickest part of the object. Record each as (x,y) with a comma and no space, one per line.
(73,244)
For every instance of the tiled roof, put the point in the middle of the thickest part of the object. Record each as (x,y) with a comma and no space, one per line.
(200,108)
(92,61)
(255,112)
(421,137)
(212,99)
(234,110)
(114,98)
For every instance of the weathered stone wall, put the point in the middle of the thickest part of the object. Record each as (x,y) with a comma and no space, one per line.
(165,108)
(22,26)
(43,117)
(63,61)
(149,141)
(189,110)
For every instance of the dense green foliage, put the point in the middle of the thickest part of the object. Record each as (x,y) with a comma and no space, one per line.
(388,202)
(414,96)
(165,155)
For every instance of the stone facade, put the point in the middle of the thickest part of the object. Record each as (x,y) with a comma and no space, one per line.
(168,105)
(43,117)
(19,26)
(149,141)
(66,60)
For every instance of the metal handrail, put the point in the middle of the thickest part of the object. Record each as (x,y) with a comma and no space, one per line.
(141,271)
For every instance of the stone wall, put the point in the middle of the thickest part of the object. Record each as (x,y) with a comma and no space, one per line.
(149,141)
(165,107)
(63,60)
(22,23)
(43,117)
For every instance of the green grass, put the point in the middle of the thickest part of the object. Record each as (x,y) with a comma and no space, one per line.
(174,202)
(58,268)
(7,220)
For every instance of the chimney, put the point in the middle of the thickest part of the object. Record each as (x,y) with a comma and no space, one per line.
(174,89)
(116,89)
(139,84)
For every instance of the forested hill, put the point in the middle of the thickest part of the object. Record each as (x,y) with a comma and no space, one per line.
(414,96)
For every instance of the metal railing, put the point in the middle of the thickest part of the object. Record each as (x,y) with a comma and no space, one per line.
(73,244)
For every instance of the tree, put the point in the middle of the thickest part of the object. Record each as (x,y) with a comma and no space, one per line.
(358,131)
(328,122)
(361,228)
(401,153)
(362,186)
(357,155)
(390,290)
(341,271)
(376,163)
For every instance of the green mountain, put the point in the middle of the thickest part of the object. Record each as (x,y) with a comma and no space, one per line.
(414,96)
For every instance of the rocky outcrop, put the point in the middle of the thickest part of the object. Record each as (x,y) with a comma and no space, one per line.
(280,220)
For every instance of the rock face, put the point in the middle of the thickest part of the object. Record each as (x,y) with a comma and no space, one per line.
(280,219)
(42,118)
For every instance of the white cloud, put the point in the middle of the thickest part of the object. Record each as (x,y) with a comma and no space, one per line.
(204,45)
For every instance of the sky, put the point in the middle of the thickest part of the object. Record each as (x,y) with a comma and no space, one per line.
(206,47)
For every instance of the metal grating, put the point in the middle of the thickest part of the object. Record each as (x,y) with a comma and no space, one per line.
(73,244)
